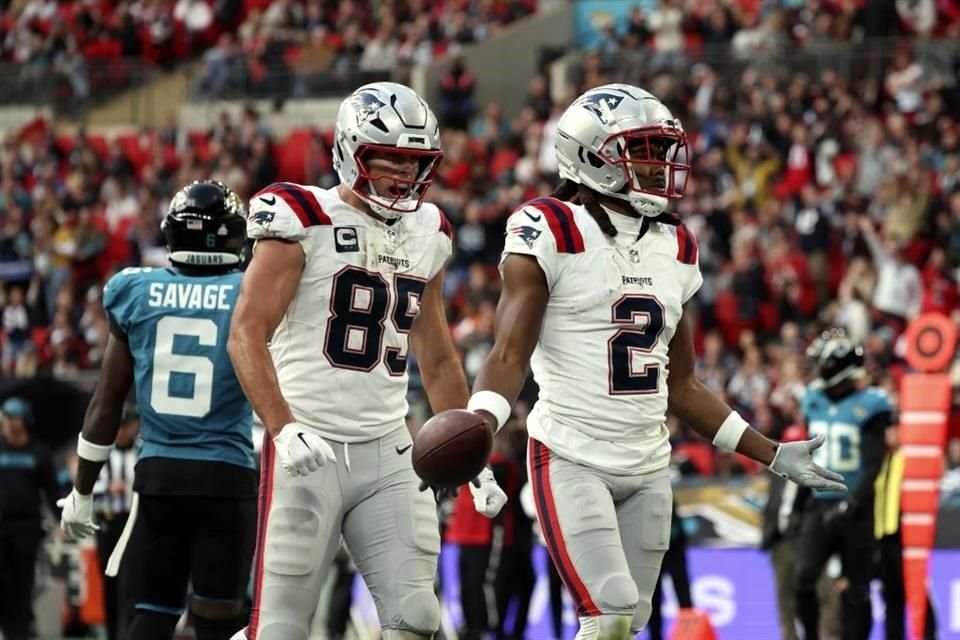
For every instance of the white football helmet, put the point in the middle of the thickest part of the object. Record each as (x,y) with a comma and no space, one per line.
(621,141)
(386,116)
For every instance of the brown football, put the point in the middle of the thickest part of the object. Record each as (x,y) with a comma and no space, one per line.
(451,448)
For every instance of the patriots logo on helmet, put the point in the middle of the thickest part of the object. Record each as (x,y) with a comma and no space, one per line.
(527,234)
(263,218)
(367,105)
(601,104)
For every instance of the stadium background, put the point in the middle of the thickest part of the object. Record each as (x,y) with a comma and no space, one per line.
(812,122)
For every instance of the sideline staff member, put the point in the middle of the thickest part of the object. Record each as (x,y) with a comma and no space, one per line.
(26,472)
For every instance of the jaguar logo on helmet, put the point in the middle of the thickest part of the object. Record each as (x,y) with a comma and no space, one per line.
(601,104)
(179,200)
(367,105)
(234,204)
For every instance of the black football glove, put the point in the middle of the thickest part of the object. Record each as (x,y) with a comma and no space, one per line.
(445,493)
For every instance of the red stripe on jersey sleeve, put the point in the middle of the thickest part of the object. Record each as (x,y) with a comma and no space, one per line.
(301,202)
(687,250)
(445,225)
(562,225)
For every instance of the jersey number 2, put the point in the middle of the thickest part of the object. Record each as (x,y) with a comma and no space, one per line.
(166,363)
(633,339)
(359,306)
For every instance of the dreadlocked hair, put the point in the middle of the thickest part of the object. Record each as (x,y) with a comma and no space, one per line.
(571,191)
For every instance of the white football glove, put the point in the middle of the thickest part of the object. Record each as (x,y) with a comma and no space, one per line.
(76,519)
(301,452)
(488,497)
(794,462)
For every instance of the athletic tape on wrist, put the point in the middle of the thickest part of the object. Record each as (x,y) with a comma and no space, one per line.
(92,451)
(493,403)
(728,435)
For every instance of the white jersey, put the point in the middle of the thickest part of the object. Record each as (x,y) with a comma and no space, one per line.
(601,360)
(341,349)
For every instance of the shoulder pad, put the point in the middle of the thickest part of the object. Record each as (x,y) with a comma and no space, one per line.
(557,216)
(284,210)
(119,293)
(123,281)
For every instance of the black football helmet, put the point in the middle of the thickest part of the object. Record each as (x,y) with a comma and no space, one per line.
(206,226)
(837,357)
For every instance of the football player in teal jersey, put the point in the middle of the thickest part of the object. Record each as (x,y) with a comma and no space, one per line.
(853,418)
(194,515)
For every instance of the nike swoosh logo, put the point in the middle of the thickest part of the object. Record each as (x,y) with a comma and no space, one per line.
(269,201)
(403,450)
(530,215)
(300,437)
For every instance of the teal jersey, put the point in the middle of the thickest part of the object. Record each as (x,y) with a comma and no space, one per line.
(191,403)
(843,423)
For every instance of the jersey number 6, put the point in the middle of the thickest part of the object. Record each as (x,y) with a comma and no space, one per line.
(359,306)
(167,363)
(633,339)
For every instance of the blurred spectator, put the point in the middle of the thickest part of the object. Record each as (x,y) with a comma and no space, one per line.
(457,106)
(898,294)
(222,68)
(664,23)
(380,53)
(753,165)
(196,16)
(15,248)
(16,330)
(904,83)
(538,99)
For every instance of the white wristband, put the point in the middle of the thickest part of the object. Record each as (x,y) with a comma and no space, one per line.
(493,403)
(92,451)
(729,434)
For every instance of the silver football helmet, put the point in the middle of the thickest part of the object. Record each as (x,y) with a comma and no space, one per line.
(386,116)
(621,141)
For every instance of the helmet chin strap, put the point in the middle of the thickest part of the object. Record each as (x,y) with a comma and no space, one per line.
(646,204)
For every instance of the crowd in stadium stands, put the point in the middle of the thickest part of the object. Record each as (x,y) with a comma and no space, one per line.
(823,200)
(253,46)
(300,47)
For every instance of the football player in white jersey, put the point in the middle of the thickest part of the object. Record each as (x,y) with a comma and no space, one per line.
(340,279)
(595,283)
